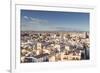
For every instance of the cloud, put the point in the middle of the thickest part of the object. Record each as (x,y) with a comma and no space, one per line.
(25,17)
(34,21)
(31,23)
(38,21)
(59,28)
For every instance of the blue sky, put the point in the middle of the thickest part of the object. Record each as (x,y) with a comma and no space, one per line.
(32,20)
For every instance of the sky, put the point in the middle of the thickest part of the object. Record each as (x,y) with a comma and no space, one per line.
(32,20)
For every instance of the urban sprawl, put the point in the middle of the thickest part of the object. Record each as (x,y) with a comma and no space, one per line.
(39,46)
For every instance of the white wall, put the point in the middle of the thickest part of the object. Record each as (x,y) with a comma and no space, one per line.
(5,35)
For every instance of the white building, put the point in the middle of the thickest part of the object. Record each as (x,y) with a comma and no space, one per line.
(57,46)
(52,59)
(39,46)
(67,48)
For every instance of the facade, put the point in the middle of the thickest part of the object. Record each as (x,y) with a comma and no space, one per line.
(54,46)
(38,58)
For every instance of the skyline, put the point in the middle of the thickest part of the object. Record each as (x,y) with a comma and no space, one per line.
(33,20)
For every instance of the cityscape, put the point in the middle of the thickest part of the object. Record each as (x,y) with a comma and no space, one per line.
(49,36)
